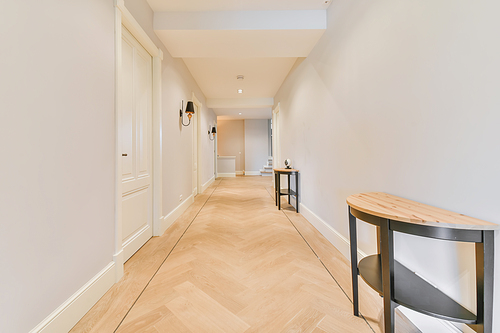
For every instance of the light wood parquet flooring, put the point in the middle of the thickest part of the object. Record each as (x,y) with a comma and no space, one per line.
(234,263)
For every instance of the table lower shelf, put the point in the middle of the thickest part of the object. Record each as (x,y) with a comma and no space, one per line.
(285,191)
(413,292)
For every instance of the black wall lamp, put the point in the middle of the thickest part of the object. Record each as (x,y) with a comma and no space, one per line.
(213,132)
(189,111)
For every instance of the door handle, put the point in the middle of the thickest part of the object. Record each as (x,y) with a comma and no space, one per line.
(124,154)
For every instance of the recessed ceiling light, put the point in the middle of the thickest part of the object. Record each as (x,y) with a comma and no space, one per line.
(239,113)
(240,91)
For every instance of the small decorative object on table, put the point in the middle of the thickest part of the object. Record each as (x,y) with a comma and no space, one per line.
(288,163)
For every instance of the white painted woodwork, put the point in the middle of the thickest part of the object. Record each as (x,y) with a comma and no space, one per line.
(74,308)
(136,134)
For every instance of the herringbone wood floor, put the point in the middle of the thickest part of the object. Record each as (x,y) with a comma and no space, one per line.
(234,263)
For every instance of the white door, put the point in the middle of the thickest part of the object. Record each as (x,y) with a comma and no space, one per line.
(194,120)
(136,136)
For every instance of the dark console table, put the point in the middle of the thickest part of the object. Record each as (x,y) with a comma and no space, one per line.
(400,286)
(286,191)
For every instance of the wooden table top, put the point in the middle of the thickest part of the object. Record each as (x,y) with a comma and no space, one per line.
(286,170)
(395,208)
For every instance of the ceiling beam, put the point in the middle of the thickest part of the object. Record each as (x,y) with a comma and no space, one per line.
(242,20)
(235,103)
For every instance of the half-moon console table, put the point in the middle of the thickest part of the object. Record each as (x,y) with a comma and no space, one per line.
(400,286)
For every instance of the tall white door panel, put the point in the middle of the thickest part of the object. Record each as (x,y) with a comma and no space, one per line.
(136,136)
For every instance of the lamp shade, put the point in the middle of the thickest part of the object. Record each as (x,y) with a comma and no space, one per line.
(190,108)
(214,130)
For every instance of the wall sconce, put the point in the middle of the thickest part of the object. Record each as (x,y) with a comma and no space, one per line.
(213,132)
(189,111)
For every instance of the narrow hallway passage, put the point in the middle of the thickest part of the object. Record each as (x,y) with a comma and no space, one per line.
(231,263)
(242,267)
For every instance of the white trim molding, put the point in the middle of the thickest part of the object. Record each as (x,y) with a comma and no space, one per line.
(124,18)
(118,144)
(429,324)
(70,312)
(157,146)
(136,30)
(175,214)
(252,173)
(119,260)
(207,184)
(239,173)
(135,242)
(332,235)
(226,174)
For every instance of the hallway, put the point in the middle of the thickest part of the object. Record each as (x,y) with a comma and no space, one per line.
(232,263)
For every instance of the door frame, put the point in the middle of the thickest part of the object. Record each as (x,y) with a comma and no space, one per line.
(197,146)
(125,18)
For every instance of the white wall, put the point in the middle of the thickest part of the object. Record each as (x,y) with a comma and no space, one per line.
(177,84)
(405,99)
(57,148)
(58,151)
(231,141)
(256,144)
(208,120)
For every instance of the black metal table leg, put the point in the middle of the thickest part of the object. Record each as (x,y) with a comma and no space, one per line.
(387,257)
(485,256)
(276,196)
(297,192)
(279,192)
(288,176)
(354,262)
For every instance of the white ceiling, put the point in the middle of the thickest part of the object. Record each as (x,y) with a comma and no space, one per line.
(220,39)
(217,76)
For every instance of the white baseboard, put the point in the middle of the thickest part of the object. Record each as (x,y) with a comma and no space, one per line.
(71,311)
(174,215)
(132,244)
(239,173)
(230,174)
(207,184)
(333,236)
(427,324)
(252,173)
(119,261)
